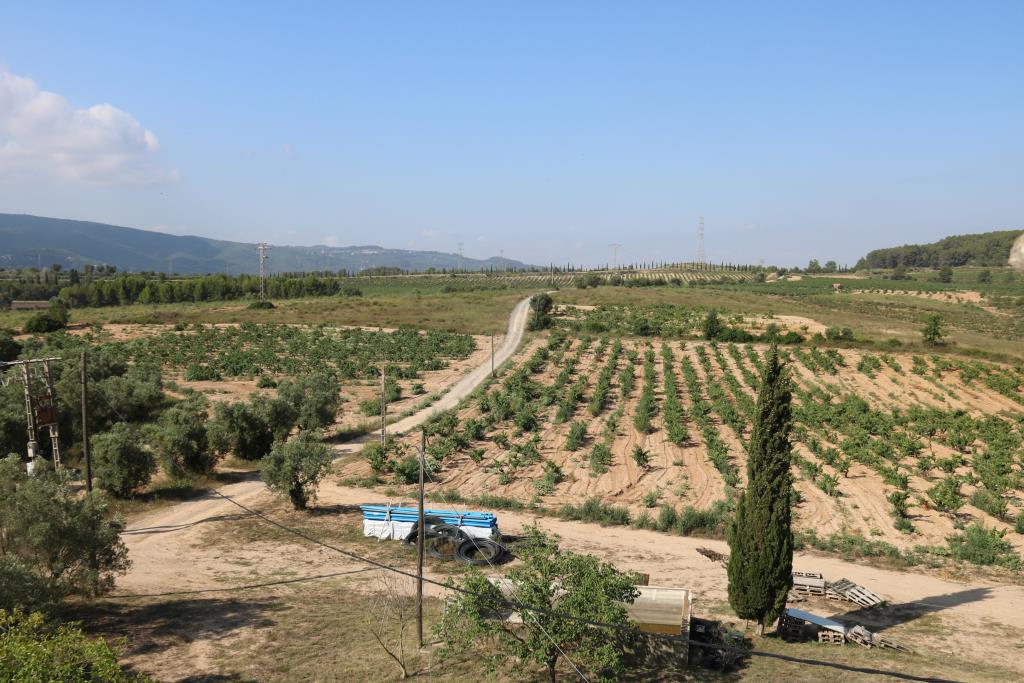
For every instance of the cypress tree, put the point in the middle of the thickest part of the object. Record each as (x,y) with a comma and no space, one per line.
(760,535)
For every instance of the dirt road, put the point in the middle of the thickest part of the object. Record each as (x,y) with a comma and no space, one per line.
(156,557)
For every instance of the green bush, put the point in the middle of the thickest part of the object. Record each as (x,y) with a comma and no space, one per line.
(315,399)
(120,462)
(9,348)
(202,373)
(946,495)
(32,650)
(295,468)
(577,434)
(55,542)
(261,305)
(595,510)
(180,441)
(407,470)
(600,458)
(981,545)
(990,502)
(238,428)
(641,457)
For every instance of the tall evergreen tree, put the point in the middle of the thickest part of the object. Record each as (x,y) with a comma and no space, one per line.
(760,535)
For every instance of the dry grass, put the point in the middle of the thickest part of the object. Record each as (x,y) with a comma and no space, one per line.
(483,312)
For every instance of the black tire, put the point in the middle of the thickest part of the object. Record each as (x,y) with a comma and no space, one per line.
(444,547)
(479,552)
(432,524)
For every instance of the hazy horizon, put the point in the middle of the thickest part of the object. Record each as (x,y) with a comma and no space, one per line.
(543,133)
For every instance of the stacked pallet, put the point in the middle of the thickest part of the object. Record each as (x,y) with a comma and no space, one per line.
(848,591)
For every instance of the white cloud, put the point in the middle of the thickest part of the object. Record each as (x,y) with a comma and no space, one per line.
(42,135)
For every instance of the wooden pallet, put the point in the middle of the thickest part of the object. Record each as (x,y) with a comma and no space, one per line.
(865,638)
(790,629)
(808,584)
(847,590)
(830,637)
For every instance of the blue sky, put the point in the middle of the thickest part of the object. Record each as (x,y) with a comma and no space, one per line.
(547,130)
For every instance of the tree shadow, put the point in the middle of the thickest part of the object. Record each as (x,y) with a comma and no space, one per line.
(886,616)
(336,509)
(178,527)
(155,626)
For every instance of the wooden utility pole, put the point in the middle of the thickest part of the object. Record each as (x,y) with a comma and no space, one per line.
(383,410)
(492,354)
(419,544)
(85,431)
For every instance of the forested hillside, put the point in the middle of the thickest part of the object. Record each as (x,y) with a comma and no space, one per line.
(981,249)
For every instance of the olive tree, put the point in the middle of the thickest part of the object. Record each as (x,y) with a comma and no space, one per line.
(120,461)
(551,581)
(314,397)
(295,468)
(53,541)
(180,440)
(240,429)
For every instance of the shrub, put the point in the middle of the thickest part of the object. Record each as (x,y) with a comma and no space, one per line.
(32,650)
(377,456)
(202,373)
(946,495)
(351,290)
(990,502)
(933,330)
(540,317)
(296,467)
(261,305)
(239,429)
(577,434)
(55,542)
(266,382)
(315,398)
(711,327)
(981,545)
(652,497)
(595,510)
(53,319)
(600,458)
(552,477)
(641,457)
(407,470)
(180,439)
(120,462)
(9,348)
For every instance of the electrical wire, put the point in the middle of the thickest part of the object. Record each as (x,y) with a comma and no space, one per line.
(281,582)
(512,585)
(570,617)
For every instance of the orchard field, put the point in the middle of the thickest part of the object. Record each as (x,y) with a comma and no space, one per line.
(625,413)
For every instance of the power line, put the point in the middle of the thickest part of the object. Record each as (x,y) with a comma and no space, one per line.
(587,622)
(281,582)
(490,564)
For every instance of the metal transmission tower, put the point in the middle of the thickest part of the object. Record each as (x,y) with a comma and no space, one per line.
(40,403)
(700,242)
(615,253)
(262,247)
(460,256)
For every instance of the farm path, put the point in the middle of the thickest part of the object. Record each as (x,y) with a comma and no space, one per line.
(157,551)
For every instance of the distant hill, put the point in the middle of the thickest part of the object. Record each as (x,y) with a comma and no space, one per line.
(27,241)
(980,249)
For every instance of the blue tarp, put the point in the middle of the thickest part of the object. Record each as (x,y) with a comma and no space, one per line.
(394,513)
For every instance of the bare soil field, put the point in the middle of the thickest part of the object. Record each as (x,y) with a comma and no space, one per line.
(683,475)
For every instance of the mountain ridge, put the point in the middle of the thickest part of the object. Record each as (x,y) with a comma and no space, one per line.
(27,240)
